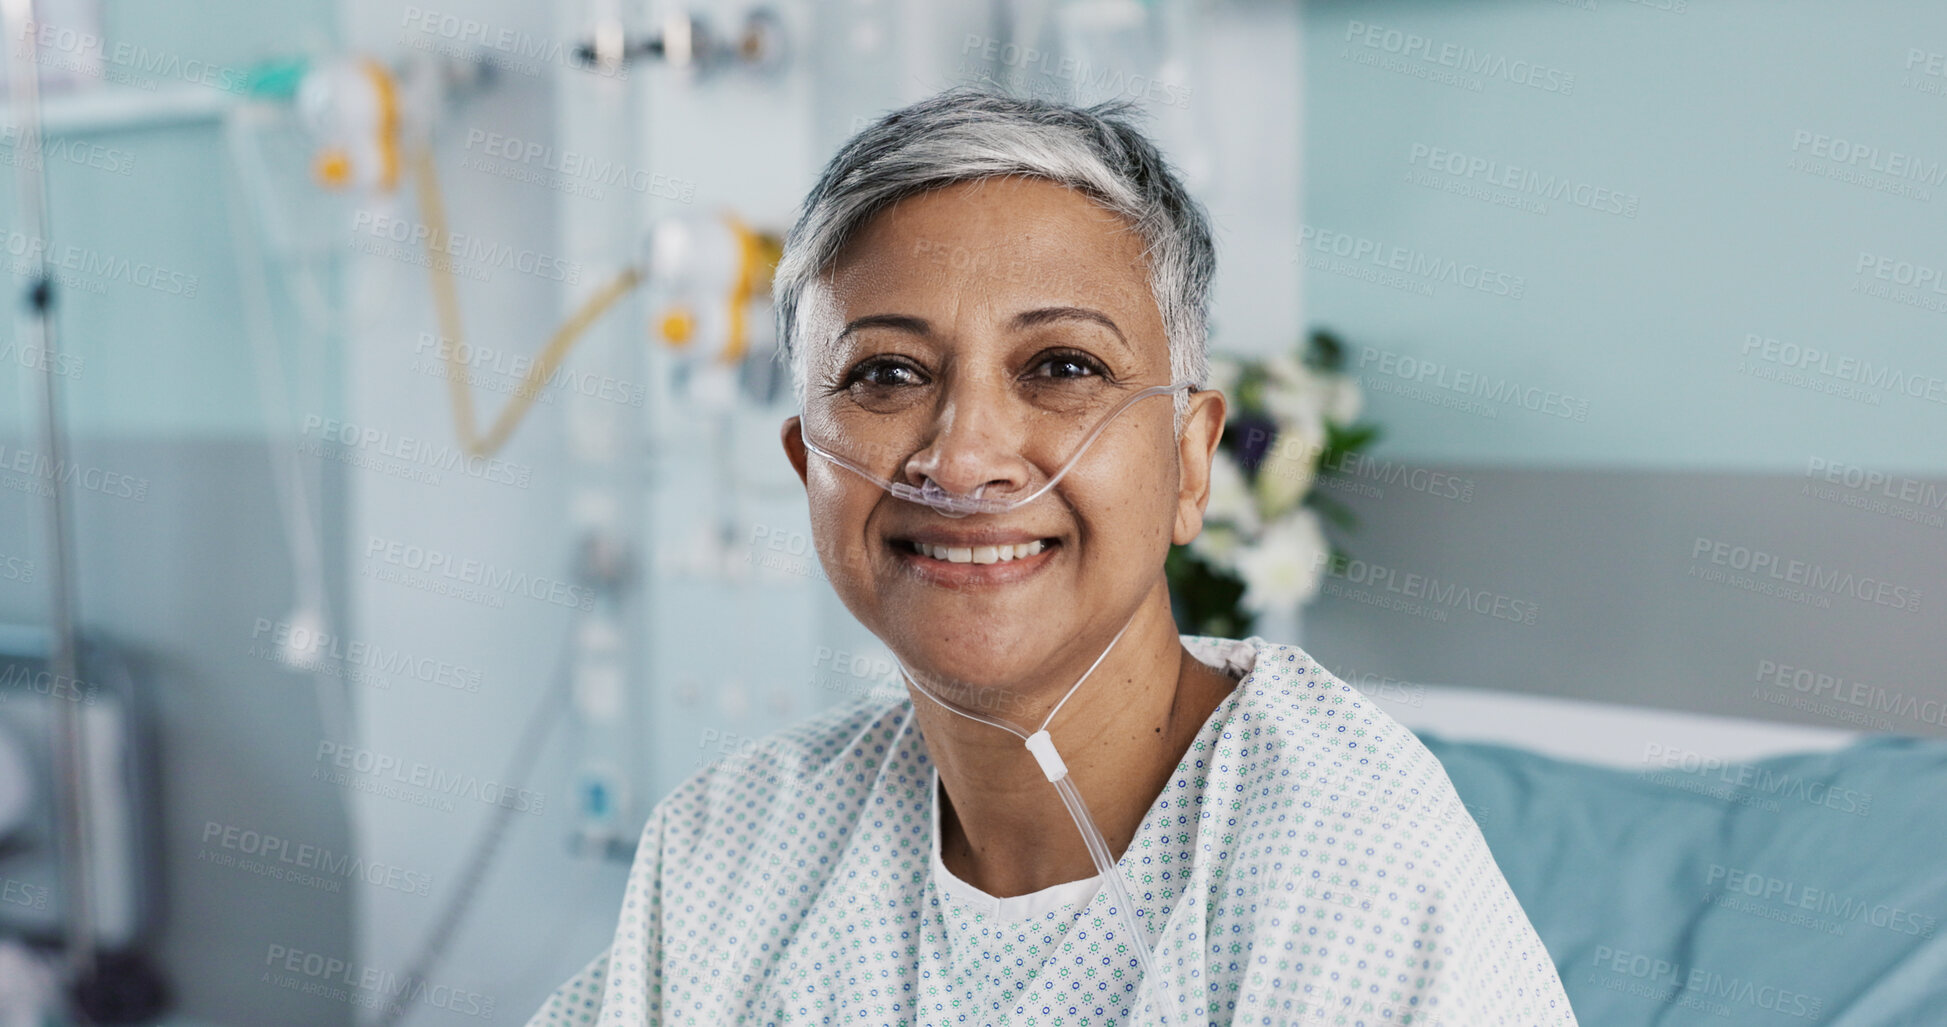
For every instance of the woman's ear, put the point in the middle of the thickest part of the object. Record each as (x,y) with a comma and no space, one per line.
(793,438)
(1196,449)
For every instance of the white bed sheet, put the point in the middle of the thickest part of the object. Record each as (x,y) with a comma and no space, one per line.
(1611,734)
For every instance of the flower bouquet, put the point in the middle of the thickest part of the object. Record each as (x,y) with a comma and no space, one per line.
(1263,550)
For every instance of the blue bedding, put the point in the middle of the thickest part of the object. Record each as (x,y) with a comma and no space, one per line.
(1798,889)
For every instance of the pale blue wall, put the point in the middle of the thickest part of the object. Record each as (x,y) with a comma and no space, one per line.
(1693,112)
(170,358)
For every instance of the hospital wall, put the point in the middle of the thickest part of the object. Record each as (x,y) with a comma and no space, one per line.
(184,556)
(180,552)
(1646,296)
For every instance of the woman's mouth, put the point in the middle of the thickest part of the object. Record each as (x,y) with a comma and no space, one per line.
(964,563)
(977,554)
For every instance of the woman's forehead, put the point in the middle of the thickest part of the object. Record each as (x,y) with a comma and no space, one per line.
(1014,244)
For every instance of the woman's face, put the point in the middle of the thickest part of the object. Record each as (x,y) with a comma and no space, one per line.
(971,335)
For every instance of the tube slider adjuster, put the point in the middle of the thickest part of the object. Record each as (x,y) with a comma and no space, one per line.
(1043,748)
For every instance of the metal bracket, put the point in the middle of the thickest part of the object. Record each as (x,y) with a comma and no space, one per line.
(686,42)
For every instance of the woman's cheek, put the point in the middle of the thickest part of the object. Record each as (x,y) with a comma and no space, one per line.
(838,531)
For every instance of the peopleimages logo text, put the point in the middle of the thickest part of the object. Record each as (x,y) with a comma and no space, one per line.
(1527,181)
(1464,59)
(1409,261)
(441,566)
(1758,562)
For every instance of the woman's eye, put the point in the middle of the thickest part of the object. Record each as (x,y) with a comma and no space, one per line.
(1069,365)
(884,374)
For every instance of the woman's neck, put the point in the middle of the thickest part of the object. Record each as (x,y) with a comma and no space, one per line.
(1003,827)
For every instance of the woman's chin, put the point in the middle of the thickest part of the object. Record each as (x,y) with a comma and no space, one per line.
(974,672)
(973,658)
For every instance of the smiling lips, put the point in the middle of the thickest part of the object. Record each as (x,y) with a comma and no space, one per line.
(978,554)
(975,558)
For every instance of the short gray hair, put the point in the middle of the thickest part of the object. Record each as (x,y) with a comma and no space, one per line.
(965,134)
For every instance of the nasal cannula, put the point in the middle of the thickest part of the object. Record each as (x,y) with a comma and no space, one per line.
(1040,743)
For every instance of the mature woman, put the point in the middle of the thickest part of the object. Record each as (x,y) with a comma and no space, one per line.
(986,301)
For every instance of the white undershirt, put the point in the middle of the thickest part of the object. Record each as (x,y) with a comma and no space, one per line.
(1238,658)
(1014,907)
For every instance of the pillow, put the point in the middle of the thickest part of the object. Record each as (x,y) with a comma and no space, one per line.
(1797,889)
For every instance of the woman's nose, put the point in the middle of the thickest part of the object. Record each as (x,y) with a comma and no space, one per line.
(977,441)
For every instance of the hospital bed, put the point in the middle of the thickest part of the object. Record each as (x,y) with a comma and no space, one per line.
(1684,868)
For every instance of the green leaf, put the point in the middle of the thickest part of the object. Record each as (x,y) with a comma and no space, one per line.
(1204,599)
(1324,351)
(1342,440)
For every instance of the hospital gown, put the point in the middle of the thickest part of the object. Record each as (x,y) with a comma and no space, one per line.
(1308,863)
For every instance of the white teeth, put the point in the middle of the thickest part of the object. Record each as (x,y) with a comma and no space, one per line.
(979,554)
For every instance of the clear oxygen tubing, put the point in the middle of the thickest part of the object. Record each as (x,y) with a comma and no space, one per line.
(953,504)
(1043,747)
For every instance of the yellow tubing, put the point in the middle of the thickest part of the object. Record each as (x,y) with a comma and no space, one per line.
(758,256)
(388,95)
(446,304)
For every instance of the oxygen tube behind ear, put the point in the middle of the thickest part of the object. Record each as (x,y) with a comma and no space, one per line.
(1042,745)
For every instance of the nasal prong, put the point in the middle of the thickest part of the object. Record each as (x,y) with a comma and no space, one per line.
(949,504)
(952,504)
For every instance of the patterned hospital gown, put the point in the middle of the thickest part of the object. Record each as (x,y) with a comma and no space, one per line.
(1309,863)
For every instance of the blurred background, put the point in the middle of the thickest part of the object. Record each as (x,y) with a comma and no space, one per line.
(414,499)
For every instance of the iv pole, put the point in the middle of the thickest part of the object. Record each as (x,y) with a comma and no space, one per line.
(70,740)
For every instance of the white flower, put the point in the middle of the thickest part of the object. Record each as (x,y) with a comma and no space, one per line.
(1217,545)
(1294,393)
(1346,402)
(1283,567)
(1295,397)
(1286,473)
(1286,369)
(1230,496)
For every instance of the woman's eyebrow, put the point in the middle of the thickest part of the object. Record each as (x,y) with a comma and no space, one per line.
(1022,321)
(898,322)
(1044,315)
